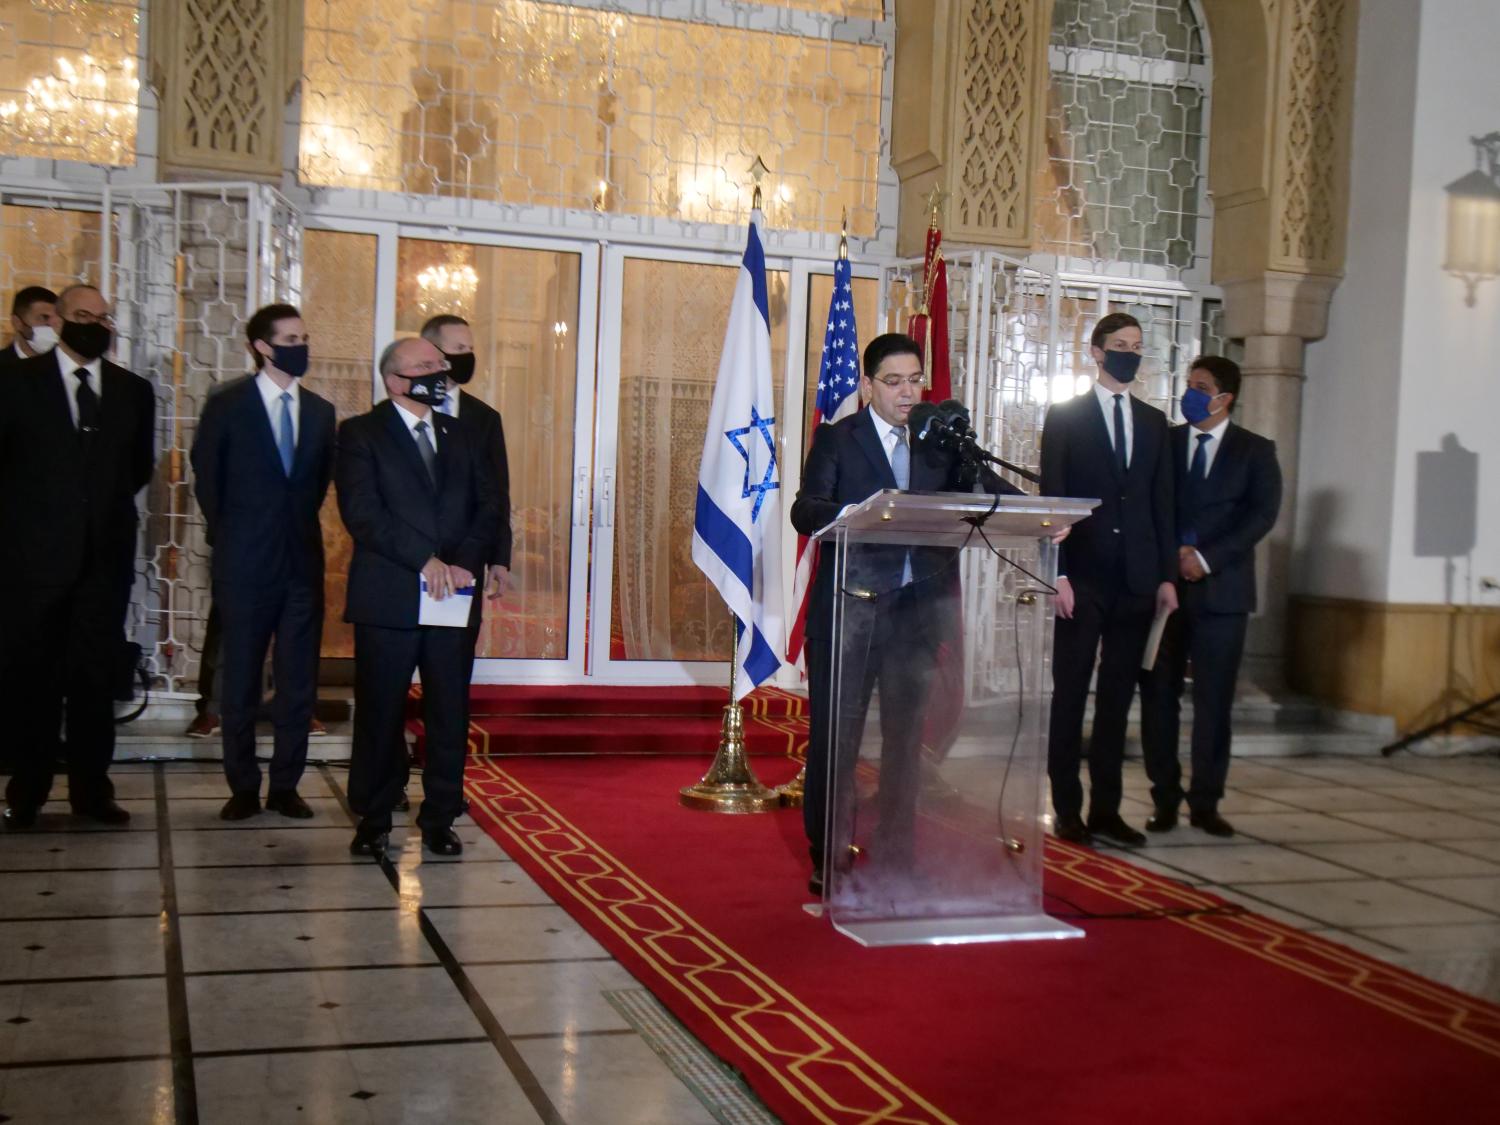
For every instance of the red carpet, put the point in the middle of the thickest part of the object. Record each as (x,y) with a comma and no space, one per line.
(1226,1019)
(547,719)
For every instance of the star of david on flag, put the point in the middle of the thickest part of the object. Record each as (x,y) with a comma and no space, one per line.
(737,519)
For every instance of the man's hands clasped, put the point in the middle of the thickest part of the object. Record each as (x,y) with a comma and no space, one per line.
(443,579)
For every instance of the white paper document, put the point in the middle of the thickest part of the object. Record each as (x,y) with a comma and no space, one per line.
(1153,641)
(452,611)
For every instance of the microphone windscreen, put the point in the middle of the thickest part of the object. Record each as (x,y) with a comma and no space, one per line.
(920,418)
(952,406)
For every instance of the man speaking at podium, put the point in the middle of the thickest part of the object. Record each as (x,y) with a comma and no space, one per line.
(915,601)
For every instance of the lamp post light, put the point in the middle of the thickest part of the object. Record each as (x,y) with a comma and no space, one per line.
(1474,218)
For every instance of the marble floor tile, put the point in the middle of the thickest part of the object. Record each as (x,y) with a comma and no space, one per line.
(1484,849)
(1252,863)
(209,889)
(1401,859)
(1471,937)
(456,1084)
(1184,835)
(1364,774)
(438,884)
(1334,799)
(1474,972)
(183,785)
(85,1020)
(611,1080)
(119,1092)
(1482,891)
(203,812)
(1257,776)
(62,894)
(1237,801)
(1356,941)
(268,843)
(1466,769)
(557,997)
(1455,798)
(1359,904)
(55,817)
(1247,897)
(1305,827)
(512,933)
(56,851)
(299,941)
(1161,867)
(37,947)
(1428,824)
(265,1010)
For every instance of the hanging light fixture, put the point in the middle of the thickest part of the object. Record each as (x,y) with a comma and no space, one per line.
(1474,218)
(448,287)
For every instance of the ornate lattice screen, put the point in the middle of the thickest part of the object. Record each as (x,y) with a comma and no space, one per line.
(612,109)
(193,263)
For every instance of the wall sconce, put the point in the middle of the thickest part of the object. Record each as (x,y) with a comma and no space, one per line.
(1474,218)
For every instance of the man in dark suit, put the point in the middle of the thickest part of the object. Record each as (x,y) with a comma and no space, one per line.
(916,594)
(455,339)
(1228,497)
(1113,574)
(262,459)
(421,503)
(76,445)
(33,322)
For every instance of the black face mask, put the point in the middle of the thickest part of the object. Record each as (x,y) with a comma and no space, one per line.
(460,367)
(290,358)
(88,340)
(431,389)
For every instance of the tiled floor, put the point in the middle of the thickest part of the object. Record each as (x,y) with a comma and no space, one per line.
(187,969)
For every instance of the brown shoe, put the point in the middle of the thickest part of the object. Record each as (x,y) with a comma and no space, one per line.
(315,727)
(206,725)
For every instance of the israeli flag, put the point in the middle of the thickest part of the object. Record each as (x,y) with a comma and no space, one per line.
(737,524)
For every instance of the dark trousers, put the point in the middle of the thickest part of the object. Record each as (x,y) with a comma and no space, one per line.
(67,646)
(291,613)
(885,644)
(384,660)
(1113,625)
(211,664)
(1214,642)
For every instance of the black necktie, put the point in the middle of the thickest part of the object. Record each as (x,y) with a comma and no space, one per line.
(1188,499)
(424,447)
(1198,470)
(1120,451)
(88,403)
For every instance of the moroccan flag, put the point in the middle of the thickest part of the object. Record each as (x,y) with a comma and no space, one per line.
(929,328)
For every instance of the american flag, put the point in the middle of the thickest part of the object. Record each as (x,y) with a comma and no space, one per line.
(838,380)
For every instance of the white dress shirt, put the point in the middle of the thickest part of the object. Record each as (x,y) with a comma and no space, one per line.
(270,394)
(1211,449)
(411,421)
(887,435)
(1107,404)
(72,382)
(450,404)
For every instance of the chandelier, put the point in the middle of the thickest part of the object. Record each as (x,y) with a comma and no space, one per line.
(88,107)
(448,287)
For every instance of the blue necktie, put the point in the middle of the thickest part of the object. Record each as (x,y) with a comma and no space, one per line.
(286,437)
(1188,503)
(1121,453)
(901,468)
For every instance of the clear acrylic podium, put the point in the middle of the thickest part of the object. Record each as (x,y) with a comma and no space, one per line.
(941,681)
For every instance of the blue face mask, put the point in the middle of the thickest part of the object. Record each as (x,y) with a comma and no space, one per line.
(290,358)
(1195,404)
(1122,366)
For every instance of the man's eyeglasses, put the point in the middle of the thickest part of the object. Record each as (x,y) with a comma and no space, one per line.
(894,381)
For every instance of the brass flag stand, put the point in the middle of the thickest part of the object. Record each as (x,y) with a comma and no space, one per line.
(730,785)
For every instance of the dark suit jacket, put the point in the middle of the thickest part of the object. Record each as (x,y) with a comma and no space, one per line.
(1132,529)
(11,358)
(488,434)
(262,524)
(399,519)
(1230,513)
(65,496)
(846,465)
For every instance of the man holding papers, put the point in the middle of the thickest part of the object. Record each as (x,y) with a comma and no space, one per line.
(1228,495)
(423,509)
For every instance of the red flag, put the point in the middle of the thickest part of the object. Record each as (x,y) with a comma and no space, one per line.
(929,328)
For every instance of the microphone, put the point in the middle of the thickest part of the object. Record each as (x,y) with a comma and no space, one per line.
(924,422)
(956,432)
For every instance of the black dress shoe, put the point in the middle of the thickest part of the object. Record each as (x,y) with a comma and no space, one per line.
(241,806)
(1212,823)
(106,811)
(372,842)
(1113,827)
(287,803)
(1072,829)
(404,803)
(1164,819)
(442,841)
(20,816)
